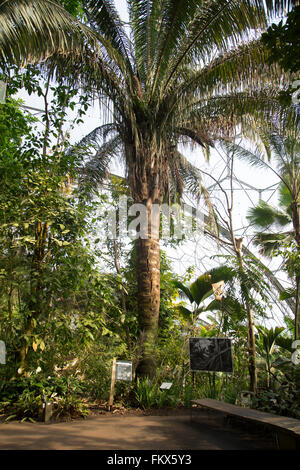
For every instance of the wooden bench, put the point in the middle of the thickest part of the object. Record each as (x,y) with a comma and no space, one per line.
(287,430)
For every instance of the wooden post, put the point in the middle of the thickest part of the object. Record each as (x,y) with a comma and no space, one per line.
(112,385)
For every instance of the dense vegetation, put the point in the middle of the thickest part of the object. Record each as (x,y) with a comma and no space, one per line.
(71,297)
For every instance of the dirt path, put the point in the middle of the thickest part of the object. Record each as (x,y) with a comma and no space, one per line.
(127,432)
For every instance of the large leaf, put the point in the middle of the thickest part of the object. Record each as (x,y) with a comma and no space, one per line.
(264,215)
(287,294)
(222,273)
(184,312)
(201,288)
(32,31)
(269,336)
(285,343)
(184,290)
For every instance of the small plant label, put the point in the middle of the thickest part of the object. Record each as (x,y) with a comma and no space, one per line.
(2,353)
(166,385)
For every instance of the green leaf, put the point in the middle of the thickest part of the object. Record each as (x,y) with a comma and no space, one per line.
(184,312)
(201,288)
(184,289)
(287,294)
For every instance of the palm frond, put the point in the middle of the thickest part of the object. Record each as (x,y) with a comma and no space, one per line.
(190,176)
(184,290)
(230,306)
(268,243)
(95,170)
(32,31)
(103,17)
(145,18)
(235,71)
(95,138)
(284,197)
(222,273)
(201,288)
(217,25)
(184,312)
(264,215)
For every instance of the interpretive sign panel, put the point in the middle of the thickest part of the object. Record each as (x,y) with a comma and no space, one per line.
(2,353)
(211,354)
(2,92)
(124,371)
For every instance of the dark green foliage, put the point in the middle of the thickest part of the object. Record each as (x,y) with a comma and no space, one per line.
(283,41)
(284,401)
(23,398)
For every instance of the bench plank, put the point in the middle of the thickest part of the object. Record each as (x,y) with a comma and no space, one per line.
(290,425)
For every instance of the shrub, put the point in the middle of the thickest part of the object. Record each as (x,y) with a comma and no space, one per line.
(284,401)
(22,398)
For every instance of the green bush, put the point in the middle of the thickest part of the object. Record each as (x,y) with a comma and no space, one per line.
(27,407)
(146,393)
(22,398)
(285,401)
(69,407)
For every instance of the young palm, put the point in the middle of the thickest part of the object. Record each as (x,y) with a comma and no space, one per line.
(206,286)
(185,70)
(268,339)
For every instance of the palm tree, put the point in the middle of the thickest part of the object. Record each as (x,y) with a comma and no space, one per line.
(278,226)
(210,286)
(186,71)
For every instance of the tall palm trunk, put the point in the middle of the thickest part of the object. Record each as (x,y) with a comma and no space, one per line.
(148,283)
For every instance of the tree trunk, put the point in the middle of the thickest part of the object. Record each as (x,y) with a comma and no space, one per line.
(148,283)
(251,336)
(297,308)
(34,304)
(296,224)
(251,350)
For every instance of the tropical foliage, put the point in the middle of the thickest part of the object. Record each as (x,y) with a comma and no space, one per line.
(71,298)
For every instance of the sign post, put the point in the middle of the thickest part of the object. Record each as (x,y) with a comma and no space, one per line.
(121,370)
(112,385)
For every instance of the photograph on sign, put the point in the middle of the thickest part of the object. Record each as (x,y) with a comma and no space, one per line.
(211,354)
(124,370)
